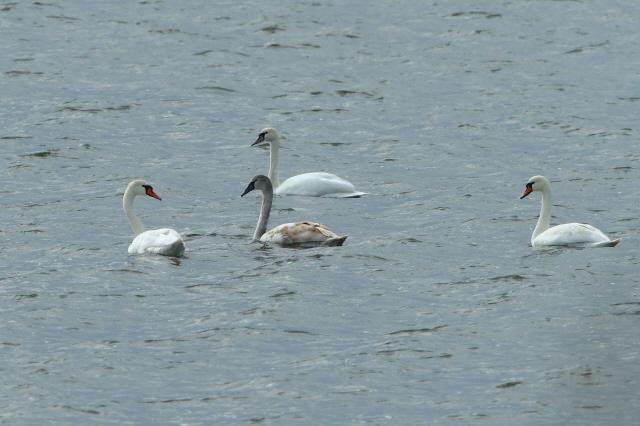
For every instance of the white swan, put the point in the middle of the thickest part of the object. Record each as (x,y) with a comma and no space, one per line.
(159,241)
(565,234)
(288,234)
(315,184)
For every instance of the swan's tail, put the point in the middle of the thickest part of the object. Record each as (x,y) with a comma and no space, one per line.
(355,194)
(335,241)
(610,243)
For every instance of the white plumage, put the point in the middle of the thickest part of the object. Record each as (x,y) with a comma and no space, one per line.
(314,184)
(561,235)
(163,241)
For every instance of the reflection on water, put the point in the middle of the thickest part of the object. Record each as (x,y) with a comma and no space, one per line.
(435,311)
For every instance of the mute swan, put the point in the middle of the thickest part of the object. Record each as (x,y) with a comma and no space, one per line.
(288,234)
(315,184)
(565,234)
(159,241)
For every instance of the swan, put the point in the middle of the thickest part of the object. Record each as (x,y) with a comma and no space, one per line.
(159,241)
(315,184)
(288,234)
(565,234)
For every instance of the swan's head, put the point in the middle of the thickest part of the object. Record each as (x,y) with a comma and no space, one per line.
(266,135)
(141,187)
(535,183)
(260,182)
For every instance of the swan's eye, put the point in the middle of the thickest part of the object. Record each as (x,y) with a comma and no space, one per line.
(530,185)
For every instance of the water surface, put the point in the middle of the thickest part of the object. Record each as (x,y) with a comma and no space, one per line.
(436,311)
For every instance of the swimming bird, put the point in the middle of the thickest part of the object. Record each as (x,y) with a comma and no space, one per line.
(314,184)
(163,241)
(288,234)
(565,234)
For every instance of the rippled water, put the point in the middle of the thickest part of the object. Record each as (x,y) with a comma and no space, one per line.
(436,311)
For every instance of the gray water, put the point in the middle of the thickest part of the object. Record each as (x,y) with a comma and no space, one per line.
(436,311)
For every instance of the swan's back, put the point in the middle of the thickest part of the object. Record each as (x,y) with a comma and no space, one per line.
(303,234)
(317,184)
(571,234)
(163,241)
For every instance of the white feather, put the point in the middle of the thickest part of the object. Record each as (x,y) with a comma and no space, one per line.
(314,184)
(570,234)
(163,241)
(566,234)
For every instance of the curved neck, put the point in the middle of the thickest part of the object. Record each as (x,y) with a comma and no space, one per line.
(274,161)
(265,210)
(127,205)
(544,219)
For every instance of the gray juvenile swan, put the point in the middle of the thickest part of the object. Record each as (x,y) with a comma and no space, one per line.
(565,234)
(158,241)
(288,234)
(315,184)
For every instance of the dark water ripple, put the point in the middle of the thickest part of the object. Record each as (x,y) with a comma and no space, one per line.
(436,311)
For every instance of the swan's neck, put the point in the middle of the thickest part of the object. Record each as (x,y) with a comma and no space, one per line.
(544,219)
(265,210)
(127,204)
(274,162)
